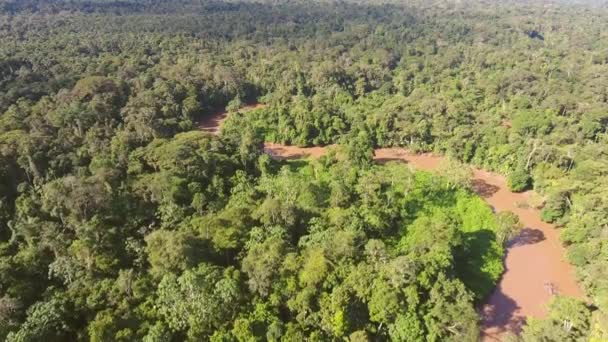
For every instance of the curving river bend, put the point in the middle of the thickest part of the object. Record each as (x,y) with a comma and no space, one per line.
(534,262)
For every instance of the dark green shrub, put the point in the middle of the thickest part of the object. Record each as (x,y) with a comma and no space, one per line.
(519,180)
(554,209)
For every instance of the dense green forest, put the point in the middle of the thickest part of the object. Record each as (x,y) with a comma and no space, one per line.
(120,222)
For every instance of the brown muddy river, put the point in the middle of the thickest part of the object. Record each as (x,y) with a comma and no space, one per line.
(535,267)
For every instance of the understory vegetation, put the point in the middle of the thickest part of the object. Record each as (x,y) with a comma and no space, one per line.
(120,221)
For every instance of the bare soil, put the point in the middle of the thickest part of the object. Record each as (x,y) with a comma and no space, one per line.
(280,151)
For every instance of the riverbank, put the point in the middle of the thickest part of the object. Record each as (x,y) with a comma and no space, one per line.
(534,261)
(212,123)
(535,265)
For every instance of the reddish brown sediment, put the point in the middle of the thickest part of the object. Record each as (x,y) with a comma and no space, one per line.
(213,122)
(293,152)
(534,261)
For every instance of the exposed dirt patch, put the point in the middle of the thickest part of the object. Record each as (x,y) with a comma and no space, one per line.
(293,152)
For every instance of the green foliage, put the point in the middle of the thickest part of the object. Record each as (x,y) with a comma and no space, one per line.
(360,149)
(261,264)
(171,251)
(406,328)
(457,174)
(479,259)
(529,123)
(199,301)
(518,180)
(449,317)
(554,208)
(47,320)
(569,320)
(508,226)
